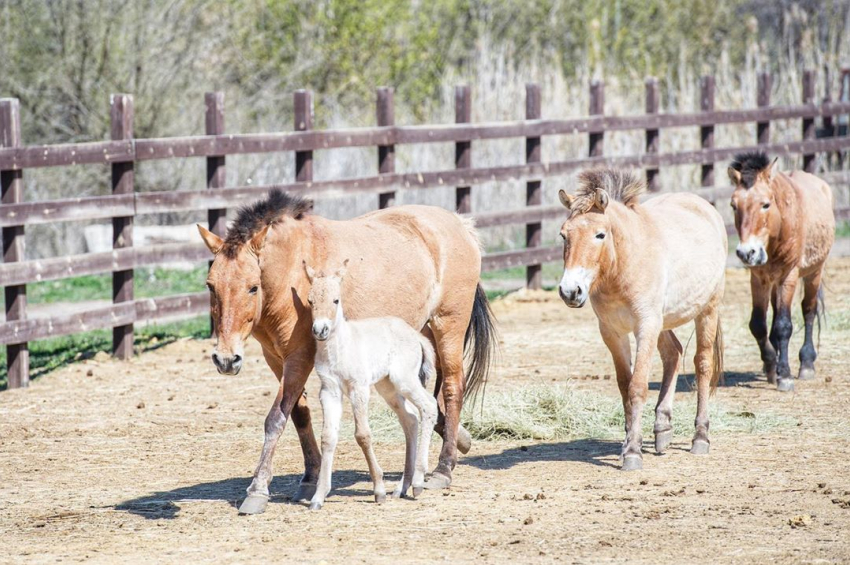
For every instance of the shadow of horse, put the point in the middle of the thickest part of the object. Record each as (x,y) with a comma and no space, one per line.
(687,381)
(590,451)
(164,505)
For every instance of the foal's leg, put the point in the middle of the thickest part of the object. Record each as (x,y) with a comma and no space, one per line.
(410,424)
(782,329)
(671,353)
(811,286)
(293,374)
(758,326)
(360,406)
(646,337)
(331,398)
(707,325)
(427,406)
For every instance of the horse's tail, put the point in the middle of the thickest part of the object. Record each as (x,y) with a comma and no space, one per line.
(821,311)
(479,344)
(717,369)
(428,367)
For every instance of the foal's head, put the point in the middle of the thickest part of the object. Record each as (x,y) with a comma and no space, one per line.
(324,300)
(588,245)
(757,217)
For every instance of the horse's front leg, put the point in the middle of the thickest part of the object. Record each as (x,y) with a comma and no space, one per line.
(761,291)
(618,345)
(646,338)
(780,333)
(294,375)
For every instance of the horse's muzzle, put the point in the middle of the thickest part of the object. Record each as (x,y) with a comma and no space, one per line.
(227,365)
(321,331)
(752,256)
(574,298)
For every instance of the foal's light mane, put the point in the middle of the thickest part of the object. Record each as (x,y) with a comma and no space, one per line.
(622,186)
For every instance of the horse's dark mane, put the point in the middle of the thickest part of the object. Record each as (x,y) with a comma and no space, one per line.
(254,217)
(750,165)
(621,186)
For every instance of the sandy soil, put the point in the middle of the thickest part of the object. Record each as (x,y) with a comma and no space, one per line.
(145,461)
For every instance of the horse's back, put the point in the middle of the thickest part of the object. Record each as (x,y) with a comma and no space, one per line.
(818,219)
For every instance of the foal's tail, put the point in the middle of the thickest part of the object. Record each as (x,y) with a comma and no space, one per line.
(481,335)
(428,368)
(717,369)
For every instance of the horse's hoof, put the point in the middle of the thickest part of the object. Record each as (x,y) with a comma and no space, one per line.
(305,492)
(380,498)
(700,447)
(254,504)
(464,440)
(438,481)
(417,491)
(398,493)
(770,373)
(806,373)
(315,506)
(632,463)
(784,384)
(662,440)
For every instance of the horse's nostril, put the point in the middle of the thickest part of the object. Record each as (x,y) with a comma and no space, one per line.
(237,359)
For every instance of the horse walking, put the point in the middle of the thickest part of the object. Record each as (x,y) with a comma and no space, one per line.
(258,288)
(351,356)
(786,226)
(646,269)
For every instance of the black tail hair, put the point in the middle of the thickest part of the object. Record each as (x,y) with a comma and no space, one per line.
(481,336)
(821,311)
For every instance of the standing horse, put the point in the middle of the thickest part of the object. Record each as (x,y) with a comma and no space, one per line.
(418,263)
(647,268)
(787,227)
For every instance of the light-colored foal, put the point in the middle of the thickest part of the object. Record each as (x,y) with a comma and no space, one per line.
(351,356)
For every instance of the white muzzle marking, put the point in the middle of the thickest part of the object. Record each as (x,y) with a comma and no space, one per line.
(575,286)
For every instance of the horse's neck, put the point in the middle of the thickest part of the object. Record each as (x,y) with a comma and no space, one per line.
(628,231)
(787,244)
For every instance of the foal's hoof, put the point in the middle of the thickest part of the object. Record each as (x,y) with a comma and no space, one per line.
(784,384)
(632,463)
(381,498)
(305,492)
(254,504)
(438,481)
(700,447)
(806,373)
(662,440)
(464,440)
(315,506)
(417,491)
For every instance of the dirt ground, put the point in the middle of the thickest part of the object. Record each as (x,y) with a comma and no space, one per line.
(145,461)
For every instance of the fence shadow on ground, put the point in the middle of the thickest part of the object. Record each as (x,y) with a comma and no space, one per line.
(687,382)
(165,505)
(591,451)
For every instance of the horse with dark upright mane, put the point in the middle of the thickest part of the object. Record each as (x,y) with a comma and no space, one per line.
(787,227)
(258,287)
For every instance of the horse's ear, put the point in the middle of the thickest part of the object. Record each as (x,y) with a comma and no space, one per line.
(566,199)
(734,175)
(214,243)
(601,200)
(259,240)
(342,270)
(771,170)
(311,274)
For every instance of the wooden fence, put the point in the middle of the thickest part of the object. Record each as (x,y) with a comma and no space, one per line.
(122,151)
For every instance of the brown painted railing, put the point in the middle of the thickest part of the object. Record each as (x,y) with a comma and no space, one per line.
(123,151)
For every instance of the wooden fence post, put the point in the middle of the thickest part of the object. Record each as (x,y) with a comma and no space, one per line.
(122,227)
(216,172)
(533,189)
(597,108)
(828,124)
(463,149)
(12,184)
(808,123)
(706,133)
(653,183)
(386,153)
(763,101)
(303,121)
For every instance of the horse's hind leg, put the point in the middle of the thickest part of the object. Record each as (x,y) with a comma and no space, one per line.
(410,424)
(758,327)
(363,435)
(707,326)
(464,439)
(811,287)
(671,353)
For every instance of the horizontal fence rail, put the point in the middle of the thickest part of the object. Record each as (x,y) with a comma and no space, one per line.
(123,151)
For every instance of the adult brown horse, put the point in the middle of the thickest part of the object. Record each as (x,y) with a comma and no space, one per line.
(258,287)
(787,227)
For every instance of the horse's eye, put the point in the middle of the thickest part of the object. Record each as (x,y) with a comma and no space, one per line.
(600,235)
(732,204)
(765,206)
(209,287)
(253,290)
(336,301)
(563,236)
(310,302)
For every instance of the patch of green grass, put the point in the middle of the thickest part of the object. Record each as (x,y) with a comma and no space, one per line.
(562,412)
(49,354)
(842,229)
